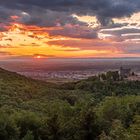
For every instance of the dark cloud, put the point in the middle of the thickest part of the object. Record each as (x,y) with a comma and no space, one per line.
(4,53)
(51,18)
(103,9)
(120,34)
(84,44)
(132,51)
(109,8)
(36,16)
(58,13)
(131,48)
(75,32)
(121,31)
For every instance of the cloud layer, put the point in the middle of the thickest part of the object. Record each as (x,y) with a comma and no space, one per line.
(117,26)
(37,11)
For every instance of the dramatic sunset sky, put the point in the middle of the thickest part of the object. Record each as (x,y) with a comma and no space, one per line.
(69,28)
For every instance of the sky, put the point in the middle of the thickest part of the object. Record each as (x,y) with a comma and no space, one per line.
(69,28)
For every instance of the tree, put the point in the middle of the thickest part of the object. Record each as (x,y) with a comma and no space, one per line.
(28,122)
(103,136)
(8,129)
(88,128)
(103,77)
(135,128)
(113,75)
(51,128)
(118,132)
(28,136)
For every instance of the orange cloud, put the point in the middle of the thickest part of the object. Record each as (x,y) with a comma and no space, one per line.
(34,41)
(14,17)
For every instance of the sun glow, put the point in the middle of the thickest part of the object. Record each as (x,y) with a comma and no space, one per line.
(36,42)
(38,57)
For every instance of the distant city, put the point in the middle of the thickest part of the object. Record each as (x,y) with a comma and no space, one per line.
(68,70)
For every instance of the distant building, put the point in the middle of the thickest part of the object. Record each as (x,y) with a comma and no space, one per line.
(125,72)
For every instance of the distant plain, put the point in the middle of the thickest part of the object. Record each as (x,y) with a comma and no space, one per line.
(67,69)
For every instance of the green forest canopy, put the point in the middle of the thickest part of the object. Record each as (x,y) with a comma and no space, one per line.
(89,109)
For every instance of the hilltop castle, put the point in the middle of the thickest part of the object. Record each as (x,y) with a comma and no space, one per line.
(125,72)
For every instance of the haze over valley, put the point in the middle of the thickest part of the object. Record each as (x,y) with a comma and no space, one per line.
(68,69)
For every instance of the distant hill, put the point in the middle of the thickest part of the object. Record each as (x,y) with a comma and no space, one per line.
(15,87)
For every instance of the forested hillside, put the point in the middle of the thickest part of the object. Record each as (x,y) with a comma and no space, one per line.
(90,109)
